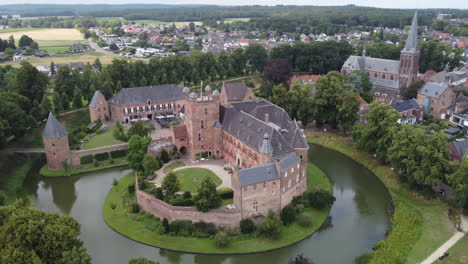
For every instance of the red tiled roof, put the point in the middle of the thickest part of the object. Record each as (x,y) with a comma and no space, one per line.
(304,78)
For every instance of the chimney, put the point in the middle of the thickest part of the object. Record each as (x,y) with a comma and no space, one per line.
(267,118)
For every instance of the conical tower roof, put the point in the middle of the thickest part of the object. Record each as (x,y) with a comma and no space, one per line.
(53,128)
(412,41)
(265,146)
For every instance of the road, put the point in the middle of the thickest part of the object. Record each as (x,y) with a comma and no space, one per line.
(446,246)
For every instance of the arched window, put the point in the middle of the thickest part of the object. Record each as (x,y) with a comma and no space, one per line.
(375,75)
(383,76)
(391,77)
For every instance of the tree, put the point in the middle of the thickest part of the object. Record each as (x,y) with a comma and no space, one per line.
(288,214)
(320,198)
(30,82)
(348,111)
(329,96)
(257,56)
(106,89)
(270,226)
(52,68)
(181,45)
(247,226)
(164,156)
(25,41)
(77,255)
(137,148)
(57,103)
(170,185)
(119,132)
(192,26)
(65,101)
(300,259)
(419,156)
(77,100)
(28,235)
(11,42)
(358,82)
(221,239)
(141,261)
(150,164)
(113,47)
(459,181)
(140,128)
(98,64)
(277,71)
(379,133)
(207,198)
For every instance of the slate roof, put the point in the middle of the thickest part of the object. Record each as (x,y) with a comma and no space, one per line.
(141,95)
(385,83)
(360,63)
(245,121)
(411,45)
(404,106)
(93,100)
(288,161)
(433,90)
(235,91)
(258,174)
(53,128)
(461,146)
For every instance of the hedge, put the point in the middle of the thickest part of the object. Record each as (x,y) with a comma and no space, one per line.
(181,201)
(226,193)
(118,153)
(87,159)
(102,156)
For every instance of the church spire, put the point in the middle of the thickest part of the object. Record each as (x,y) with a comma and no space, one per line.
(412,41)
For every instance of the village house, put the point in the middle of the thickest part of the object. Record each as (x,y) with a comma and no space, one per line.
(78,48)
(410,111)
(459,149)
(436,99)
(458,113)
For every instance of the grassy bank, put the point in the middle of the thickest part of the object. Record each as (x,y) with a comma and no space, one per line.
(143,227)
(14,171)
(44,171)
(458,253)
(419,226)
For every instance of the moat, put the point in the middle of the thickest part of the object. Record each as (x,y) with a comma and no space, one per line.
(359,217)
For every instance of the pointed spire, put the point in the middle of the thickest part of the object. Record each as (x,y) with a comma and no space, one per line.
(412,41)
(53,128)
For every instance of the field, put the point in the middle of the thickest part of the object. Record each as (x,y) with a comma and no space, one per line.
(230,20)
(157,22)
(190,179)
(83,57)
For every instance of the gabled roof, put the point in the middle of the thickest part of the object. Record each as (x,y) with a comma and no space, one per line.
(385,83)
(235,91)
(94,99)
(461,146)
(258,174)
(411,45)
(141,95)
(288,161)
(53,128)
(407,105)
(433,90)
(361,63)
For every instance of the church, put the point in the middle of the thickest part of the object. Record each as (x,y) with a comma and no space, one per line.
(389,77)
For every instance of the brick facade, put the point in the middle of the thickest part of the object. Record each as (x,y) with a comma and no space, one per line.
(99,108)
(57,151)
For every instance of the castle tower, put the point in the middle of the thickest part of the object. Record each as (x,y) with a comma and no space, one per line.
(55,138)
(409,56)
(201,114)
(99,107)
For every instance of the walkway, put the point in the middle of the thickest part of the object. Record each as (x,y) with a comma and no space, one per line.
(446,246)
(216,166)
(23,150)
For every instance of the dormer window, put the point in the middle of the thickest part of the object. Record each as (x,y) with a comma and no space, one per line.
(149,102)
(377,94)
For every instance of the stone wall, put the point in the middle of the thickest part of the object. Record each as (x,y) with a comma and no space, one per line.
(229,218)
(75,155)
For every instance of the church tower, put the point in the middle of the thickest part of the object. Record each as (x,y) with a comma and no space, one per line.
(409,57)
(55,138)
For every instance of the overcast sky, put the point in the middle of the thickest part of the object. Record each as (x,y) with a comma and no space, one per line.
(461,4)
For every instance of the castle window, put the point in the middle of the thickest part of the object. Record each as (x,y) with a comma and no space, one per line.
(298,166)
(297,177)
(273,191)
(255,206)
(289,183)
(301,157)
(53,153)
(206,111)
(383,76)
(292,170)
(199,137)
(264,185)
(284,189)
(391,77)
(53,145)
(286,174)
(201,124)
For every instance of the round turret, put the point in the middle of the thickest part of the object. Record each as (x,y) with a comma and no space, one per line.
(186,90)
(208,88)
(215,93)
(193,95)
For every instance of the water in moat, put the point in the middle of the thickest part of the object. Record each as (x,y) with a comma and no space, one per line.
(359,217)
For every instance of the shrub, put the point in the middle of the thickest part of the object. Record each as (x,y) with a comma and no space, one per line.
(364,258)
(300,259)
(270,226)
(101,156)
(115,182)
(135,207)
(87,159)
(187,195)
(119,133)
(118,153)
(207,197)
(221,239)
(164,156)
(131,188)
(181,201)
(2,198)
(170,184)
(207,228)
(201,155)
(320,199)
(96,163)
(226,193)
(181,227)
(304,220)
(141,261)
(159,193)
(113,206)
(165,225)
(247,226)
(288,214)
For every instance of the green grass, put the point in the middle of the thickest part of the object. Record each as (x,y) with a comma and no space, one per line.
(173,165)
(44,171)
(101,140)
(14,30)
(187,177)
(14,171)
(434,227)
(458,253)
(236,19)
(143,228)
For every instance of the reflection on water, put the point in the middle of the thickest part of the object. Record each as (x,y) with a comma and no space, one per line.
(358,218)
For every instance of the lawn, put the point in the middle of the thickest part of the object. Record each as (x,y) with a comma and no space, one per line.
(173,165)
(144,228)
(433,228)
(230,20)
(102,140)
(458,253)
(190,179)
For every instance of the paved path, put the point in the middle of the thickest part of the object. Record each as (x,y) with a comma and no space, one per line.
(446,246)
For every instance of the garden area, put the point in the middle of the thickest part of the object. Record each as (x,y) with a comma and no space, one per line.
(299,220)
(103,137)
(190,179)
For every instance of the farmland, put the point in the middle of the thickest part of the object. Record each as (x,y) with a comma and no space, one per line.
(83,57)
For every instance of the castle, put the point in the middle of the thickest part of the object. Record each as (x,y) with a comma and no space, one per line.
(265,148)
(389,76)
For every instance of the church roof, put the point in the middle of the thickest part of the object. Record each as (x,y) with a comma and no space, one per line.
(385,83)
(141,95)
(258,174)
(360,63)
(53,128)
(411,45)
